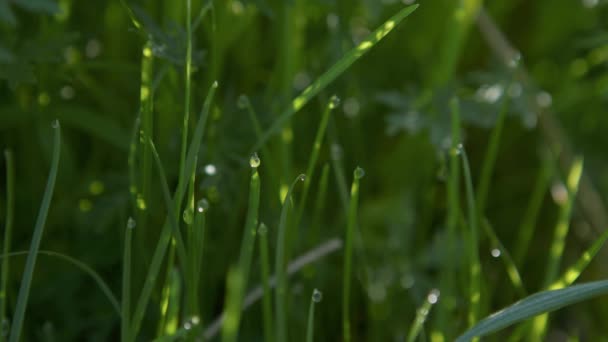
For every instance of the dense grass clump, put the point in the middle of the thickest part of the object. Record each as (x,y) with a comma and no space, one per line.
(302,170)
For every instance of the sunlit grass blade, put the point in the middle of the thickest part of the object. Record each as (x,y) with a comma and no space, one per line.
(146,129)
(8,230)
(421,315)
(265,267)
(165,236)
(506,258)
(126,283)
(528,224)
(173,304)
(536,304)
(103,286)
(489,161)
(336,70)
(30,264)
(316,298)
(280,266)
(448,277)
(314,155)
(573,272)
(234,298)
(348,251)
(539,324)
(472,243)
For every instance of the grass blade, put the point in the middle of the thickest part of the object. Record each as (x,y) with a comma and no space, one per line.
(336,70)
(251,222)
(348,251)
(8,230)
(280,266)
(421,315)
(83,267)
(266,299)
(126,283)
(573,272)
(165,236)
(473,243)
(195,254)
(538,303)
(316,297)
(234,298)
(30,264)
(188,82)
(314,155)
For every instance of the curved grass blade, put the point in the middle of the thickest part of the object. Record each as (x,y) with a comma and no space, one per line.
(8,229)
(165,236)
(310,329)
(336,70)
(126,283)
(280,267)
(83,267)
(473,243)
(538,303)
(421,315)
(30,264)
(348,251)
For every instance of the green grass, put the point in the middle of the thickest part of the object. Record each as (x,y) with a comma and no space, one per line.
(418,251)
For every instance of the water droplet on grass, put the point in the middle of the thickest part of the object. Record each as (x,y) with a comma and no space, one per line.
(334,102)
(55,123)
(254,161)
(131,223)
(210,169)
(262,229)
(317,296)
(242,102)
(302,177)
(188,215)
(359,173)
(433,296)
(495,252)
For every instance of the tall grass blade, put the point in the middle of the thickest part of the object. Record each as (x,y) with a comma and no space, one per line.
(234,297)
(195,254)
(314,155)
(319,204)
(421,315)
(165,236)
(251,223)
(30,264)
(316,297)
(125,334)
(348,251)
(538,303)
(336,70)
(539,324)
(473,243)
(188,82)
(266,299)
(8,230)
(280,266)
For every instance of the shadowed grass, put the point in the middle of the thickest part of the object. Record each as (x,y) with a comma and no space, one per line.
(165,236)
(30,264)
(336,70)
(125,334)
(315,298)
(265,269)
(8,230)
(348,252)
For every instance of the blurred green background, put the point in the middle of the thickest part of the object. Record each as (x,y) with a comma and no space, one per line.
(79,62)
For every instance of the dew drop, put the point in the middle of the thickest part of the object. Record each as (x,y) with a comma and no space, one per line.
(210,169)
(188,216)
(262,229)
(334,102)
(55,123)
(215,84)
(242,102)
(202,205)
(359,173)
(456,151)
(187,326)
(195,320)
(254,161)
(131,223)
(317,296)
(495,252)
(433,296)
(515,60)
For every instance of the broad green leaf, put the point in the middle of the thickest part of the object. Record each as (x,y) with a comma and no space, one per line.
(536,304)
